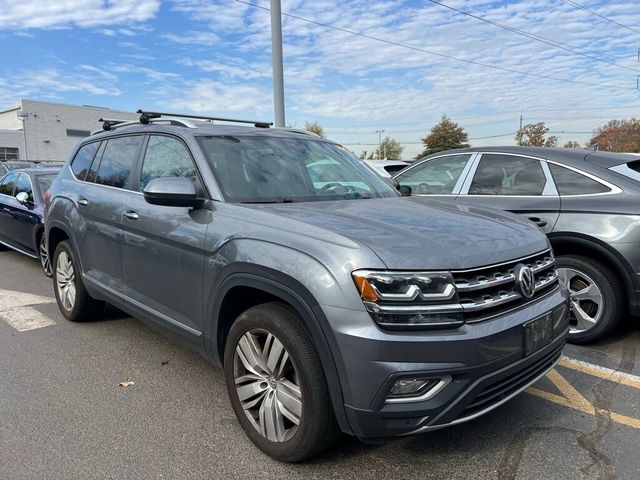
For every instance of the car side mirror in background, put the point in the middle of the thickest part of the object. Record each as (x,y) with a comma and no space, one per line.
(23,198)
(172,192)
(405,190)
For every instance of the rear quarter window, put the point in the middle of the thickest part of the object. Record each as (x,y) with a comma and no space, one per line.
(569,182)
(82,161)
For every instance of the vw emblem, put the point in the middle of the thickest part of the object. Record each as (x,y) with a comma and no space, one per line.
(526,280)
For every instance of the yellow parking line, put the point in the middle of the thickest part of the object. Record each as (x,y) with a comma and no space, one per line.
(601,372)
(575,400)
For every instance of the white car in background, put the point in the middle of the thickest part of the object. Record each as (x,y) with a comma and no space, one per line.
(387,168)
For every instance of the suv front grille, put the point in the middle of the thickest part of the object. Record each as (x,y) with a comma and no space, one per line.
(489,291)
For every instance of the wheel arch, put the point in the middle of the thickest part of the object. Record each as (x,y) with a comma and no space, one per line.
(579,244)
(253,285)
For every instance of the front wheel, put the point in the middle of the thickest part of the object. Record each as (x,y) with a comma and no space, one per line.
(597,299)
(73,300)
(276,384)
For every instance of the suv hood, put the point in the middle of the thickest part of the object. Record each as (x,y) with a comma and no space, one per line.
(411,233)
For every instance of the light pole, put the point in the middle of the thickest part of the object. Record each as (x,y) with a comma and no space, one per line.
(379,132)
(23,115)
(276,57)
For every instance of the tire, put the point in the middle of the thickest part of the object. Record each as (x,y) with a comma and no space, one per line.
(43,255)
(264,328)
(73,300)
(602,299)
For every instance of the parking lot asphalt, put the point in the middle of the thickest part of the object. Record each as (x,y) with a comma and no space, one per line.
(63,415)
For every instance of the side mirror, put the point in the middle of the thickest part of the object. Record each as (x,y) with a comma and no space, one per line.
(405,190)
(171,192)
(23,198)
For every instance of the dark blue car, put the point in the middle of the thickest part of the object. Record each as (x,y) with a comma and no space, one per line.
(21,211)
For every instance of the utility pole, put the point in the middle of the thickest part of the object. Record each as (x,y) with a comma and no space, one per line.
(379,132)
(276,57)
(520,132)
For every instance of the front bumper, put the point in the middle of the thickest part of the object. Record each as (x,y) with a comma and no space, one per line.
(485,361)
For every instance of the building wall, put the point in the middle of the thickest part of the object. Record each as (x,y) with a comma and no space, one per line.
(9,119)
(12,139)
(49,127)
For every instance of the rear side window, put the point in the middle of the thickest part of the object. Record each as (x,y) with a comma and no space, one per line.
(83,159)
(118,161)
(6,188)
(569,182)
(166,157)
(508,175)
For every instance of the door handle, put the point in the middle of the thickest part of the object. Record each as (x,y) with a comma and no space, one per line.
(83,201)
(538,222)
(131,215)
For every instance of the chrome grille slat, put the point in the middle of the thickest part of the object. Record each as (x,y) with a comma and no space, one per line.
(488,291)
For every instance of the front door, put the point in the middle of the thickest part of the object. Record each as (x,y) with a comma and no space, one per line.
(22,219)
(163,248)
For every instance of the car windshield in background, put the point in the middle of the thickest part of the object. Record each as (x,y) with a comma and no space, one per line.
(44,182)
(252,169)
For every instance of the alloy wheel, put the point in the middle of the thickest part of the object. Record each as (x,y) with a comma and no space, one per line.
(44,256)
(65,281)
(268,385)
(587,301)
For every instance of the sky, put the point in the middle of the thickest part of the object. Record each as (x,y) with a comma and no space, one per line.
(353,66)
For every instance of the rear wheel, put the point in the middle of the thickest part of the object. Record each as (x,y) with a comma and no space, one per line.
(73,300)
(597,299)
(276,384)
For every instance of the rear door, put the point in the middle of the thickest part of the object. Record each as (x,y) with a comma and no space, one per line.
(6,197)
(163,247)
(516,183)
(100,204)
(440,176)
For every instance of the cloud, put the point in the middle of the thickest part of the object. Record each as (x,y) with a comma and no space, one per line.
(24,14)
(192,38)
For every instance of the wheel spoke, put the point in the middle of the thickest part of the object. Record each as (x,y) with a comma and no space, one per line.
(250,390)
(591,292)
(274,351)
(250,354)
(271,420)
(584,321)
(290,400)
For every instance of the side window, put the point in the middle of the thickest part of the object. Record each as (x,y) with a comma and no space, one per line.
(83,159)
(569,182)
(118,161)
(8,183)
(166,157)
(24,185)
(435,176)
(508,175)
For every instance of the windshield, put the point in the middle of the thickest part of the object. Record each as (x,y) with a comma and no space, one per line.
(260,169)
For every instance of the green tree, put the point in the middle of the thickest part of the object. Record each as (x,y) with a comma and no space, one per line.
(572,144)
(315,127)
(618,136)
(444,136)
(389,149)
(533,135)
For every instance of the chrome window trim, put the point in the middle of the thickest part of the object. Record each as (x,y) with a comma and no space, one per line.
(432,392)
(614,189)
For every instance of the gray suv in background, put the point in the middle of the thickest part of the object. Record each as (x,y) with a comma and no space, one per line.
(332,305)
(586,201)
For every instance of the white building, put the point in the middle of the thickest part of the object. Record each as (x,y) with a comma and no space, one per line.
(36,130)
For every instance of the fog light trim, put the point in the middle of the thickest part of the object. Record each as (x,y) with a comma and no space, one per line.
(430,393)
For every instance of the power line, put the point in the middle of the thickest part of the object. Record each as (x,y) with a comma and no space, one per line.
(442,55)
(577,5)
(538,38)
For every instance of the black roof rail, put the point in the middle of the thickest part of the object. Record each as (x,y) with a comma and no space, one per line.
(147,116)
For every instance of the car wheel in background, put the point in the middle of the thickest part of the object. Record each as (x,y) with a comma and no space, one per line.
(73,300)
(597,299)
(276,384)
(43,254)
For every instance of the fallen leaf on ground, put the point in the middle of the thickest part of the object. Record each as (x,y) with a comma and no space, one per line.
(125,384)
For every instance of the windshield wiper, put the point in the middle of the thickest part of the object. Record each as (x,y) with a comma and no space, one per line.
(274,200)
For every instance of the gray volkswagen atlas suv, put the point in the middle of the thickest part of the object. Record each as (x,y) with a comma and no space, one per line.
(333,303)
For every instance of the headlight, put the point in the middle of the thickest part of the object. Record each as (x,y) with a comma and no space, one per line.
(417,299)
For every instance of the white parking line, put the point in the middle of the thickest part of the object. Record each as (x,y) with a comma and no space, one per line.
(16,309)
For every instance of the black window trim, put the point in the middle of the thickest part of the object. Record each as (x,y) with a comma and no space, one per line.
(613,189)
